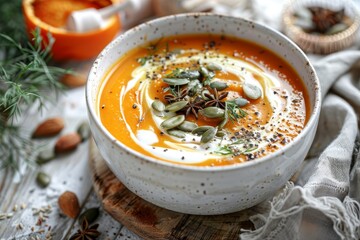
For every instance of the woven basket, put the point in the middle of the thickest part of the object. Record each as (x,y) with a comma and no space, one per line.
(321,44)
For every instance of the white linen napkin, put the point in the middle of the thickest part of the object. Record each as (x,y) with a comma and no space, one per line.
(323,204)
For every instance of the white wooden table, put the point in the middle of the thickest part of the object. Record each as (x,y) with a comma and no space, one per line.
(69,173)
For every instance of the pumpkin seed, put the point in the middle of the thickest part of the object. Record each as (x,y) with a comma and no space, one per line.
(251,91)
(176,81)
(194,87)
(192,74)
(158,105)
(213,66)
(203,94)
(218,85)
(43,180)
(187,126)
(337,28)
(90,215)
(176,133)
(220,134)
(45,156)
(84,131)
(159,114)
(303,13)
(176,106)
(241,102)
(224,121)
(213,112)
(204,71)
(200,130)
(172,122)
(208,135)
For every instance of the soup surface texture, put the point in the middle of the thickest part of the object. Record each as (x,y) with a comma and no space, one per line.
(203,100)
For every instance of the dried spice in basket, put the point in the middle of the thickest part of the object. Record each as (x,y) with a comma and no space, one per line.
(321,21)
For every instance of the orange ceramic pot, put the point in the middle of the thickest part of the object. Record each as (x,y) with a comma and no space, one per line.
(68,45)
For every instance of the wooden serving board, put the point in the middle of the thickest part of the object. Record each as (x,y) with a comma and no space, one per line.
(153,222)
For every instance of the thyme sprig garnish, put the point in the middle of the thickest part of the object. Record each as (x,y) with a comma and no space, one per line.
(234,148)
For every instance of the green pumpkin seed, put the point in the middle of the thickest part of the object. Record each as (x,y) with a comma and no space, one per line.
(43,180)
(176,106)
(337,28)
(220,134)
(90,215)
(218,85)
(241,102)
(224,121)
(187,126)
(251,91)
(176,81)
(172,122)
(194,87)
(45,156)
(303,13)
(213,66)
(203,96)
(158,105)
(200,130)
(208,135)
(159,114)
(192,74)
(213,112)
(176,133)
(204,71)
(84,131)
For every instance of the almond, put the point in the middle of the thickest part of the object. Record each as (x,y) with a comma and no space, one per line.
(73,81)
(67,143)
(49,127)
(69,204)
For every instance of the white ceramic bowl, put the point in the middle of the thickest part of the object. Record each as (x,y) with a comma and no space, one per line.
(203,190)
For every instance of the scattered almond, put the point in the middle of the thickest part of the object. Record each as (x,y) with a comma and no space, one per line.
(67,143)
(69,204)
(49,127)
(73,81)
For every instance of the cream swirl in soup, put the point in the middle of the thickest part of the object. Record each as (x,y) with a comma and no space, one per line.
(203,100)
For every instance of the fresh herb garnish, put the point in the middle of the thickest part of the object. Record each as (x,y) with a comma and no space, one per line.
(234,111)
(233,149)
(224,150)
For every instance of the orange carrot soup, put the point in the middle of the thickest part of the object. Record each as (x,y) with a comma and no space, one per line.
(203,100)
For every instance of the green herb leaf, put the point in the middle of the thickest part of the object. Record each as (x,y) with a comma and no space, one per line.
(234,111)
(224,150)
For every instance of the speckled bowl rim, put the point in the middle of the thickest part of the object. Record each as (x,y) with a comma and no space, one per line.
(312,120)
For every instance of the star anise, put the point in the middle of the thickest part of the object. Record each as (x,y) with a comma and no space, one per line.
(324,19)
(215,100)
(86,232)
(194,106)
(176,96)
